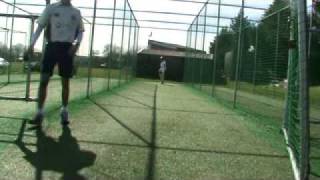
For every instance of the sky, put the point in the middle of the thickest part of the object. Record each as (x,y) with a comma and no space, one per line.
(103,33)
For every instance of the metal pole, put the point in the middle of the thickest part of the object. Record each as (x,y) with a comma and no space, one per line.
(11,41)
(111,44)
(89,83)
(129,55)
(275,67)
(195,49)
(186,57)
(189,60)
(310,36)
(255,60)
(291,74)
(28,63)
(192,54)
(134,53)
(122,42)
(203,45)
(137,50)
(215,60)
(238,57)
(91,48)
(6,33)
(304,90)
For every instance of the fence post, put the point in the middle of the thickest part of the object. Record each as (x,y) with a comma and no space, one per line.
(238,57)
(133,50)
(275,66)
(11,40)
(255,60)
(122,42)
(111,44)
(214,70)
(137,50)
(129,43)
(28,62)
(203,44)
(195,49)
(186,57)
(6,38)
(304,90)
(91,48)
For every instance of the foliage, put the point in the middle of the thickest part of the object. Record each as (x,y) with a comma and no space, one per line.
(276,6)
(16,52)
(266,48)
(4,51)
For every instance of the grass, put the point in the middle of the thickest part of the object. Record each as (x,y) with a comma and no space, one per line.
(269,112)
(260,125)
(274,92)
(142,131)
(18,74)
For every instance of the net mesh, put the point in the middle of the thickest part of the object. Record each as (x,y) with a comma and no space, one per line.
(114,48)
(253,68)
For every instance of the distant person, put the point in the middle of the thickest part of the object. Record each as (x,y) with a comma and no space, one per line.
(64,32)
(162,69)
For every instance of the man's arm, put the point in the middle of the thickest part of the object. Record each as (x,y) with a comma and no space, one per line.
(42,23)
(78,38)
(36,35)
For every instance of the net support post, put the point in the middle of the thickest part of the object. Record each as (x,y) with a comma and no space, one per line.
(203,45)
(11,41)
(254,77)
(304,89)
(28,80)
(238,57)
(110,58)
(129,54)
(215,59)
(92,33)
(122,42)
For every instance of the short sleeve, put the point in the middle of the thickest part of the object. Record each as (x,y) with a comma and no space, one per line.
(43,20)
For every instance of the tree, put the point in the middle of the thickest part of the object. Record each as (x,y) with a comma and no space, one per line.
(4,51)
(228,43)
(113,59)
(273,42)
(115,50)
(18,50)
(276,6)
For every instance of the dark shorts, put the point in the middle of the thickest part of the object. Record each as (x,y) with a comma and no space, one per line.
(57,53)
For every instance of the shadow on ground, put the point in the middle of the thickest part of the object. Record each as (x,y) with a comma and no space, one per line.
(63,155)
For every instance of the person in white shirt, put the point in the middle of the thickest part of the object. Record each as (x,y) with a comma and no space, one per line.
(162,69)
(64,32)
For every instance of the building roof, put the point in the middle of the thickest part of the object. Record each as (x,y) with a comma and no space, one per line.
(152,44)
(170,53)
(162,45)
(172,50)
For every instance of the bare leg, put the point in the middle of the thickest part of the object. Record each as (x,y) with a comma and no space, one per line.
(65,100)
(65,91)
(162,77)
(42,93)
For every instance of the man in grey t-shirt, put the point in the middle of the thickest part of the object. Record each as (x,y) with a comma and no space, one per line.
(64,26)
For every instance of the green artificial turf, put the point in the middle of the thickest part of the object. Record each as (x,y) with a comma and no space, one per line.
(142,131)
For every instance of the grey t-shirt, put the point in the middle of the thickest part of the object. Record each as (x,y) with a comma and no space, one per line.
(65,22)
